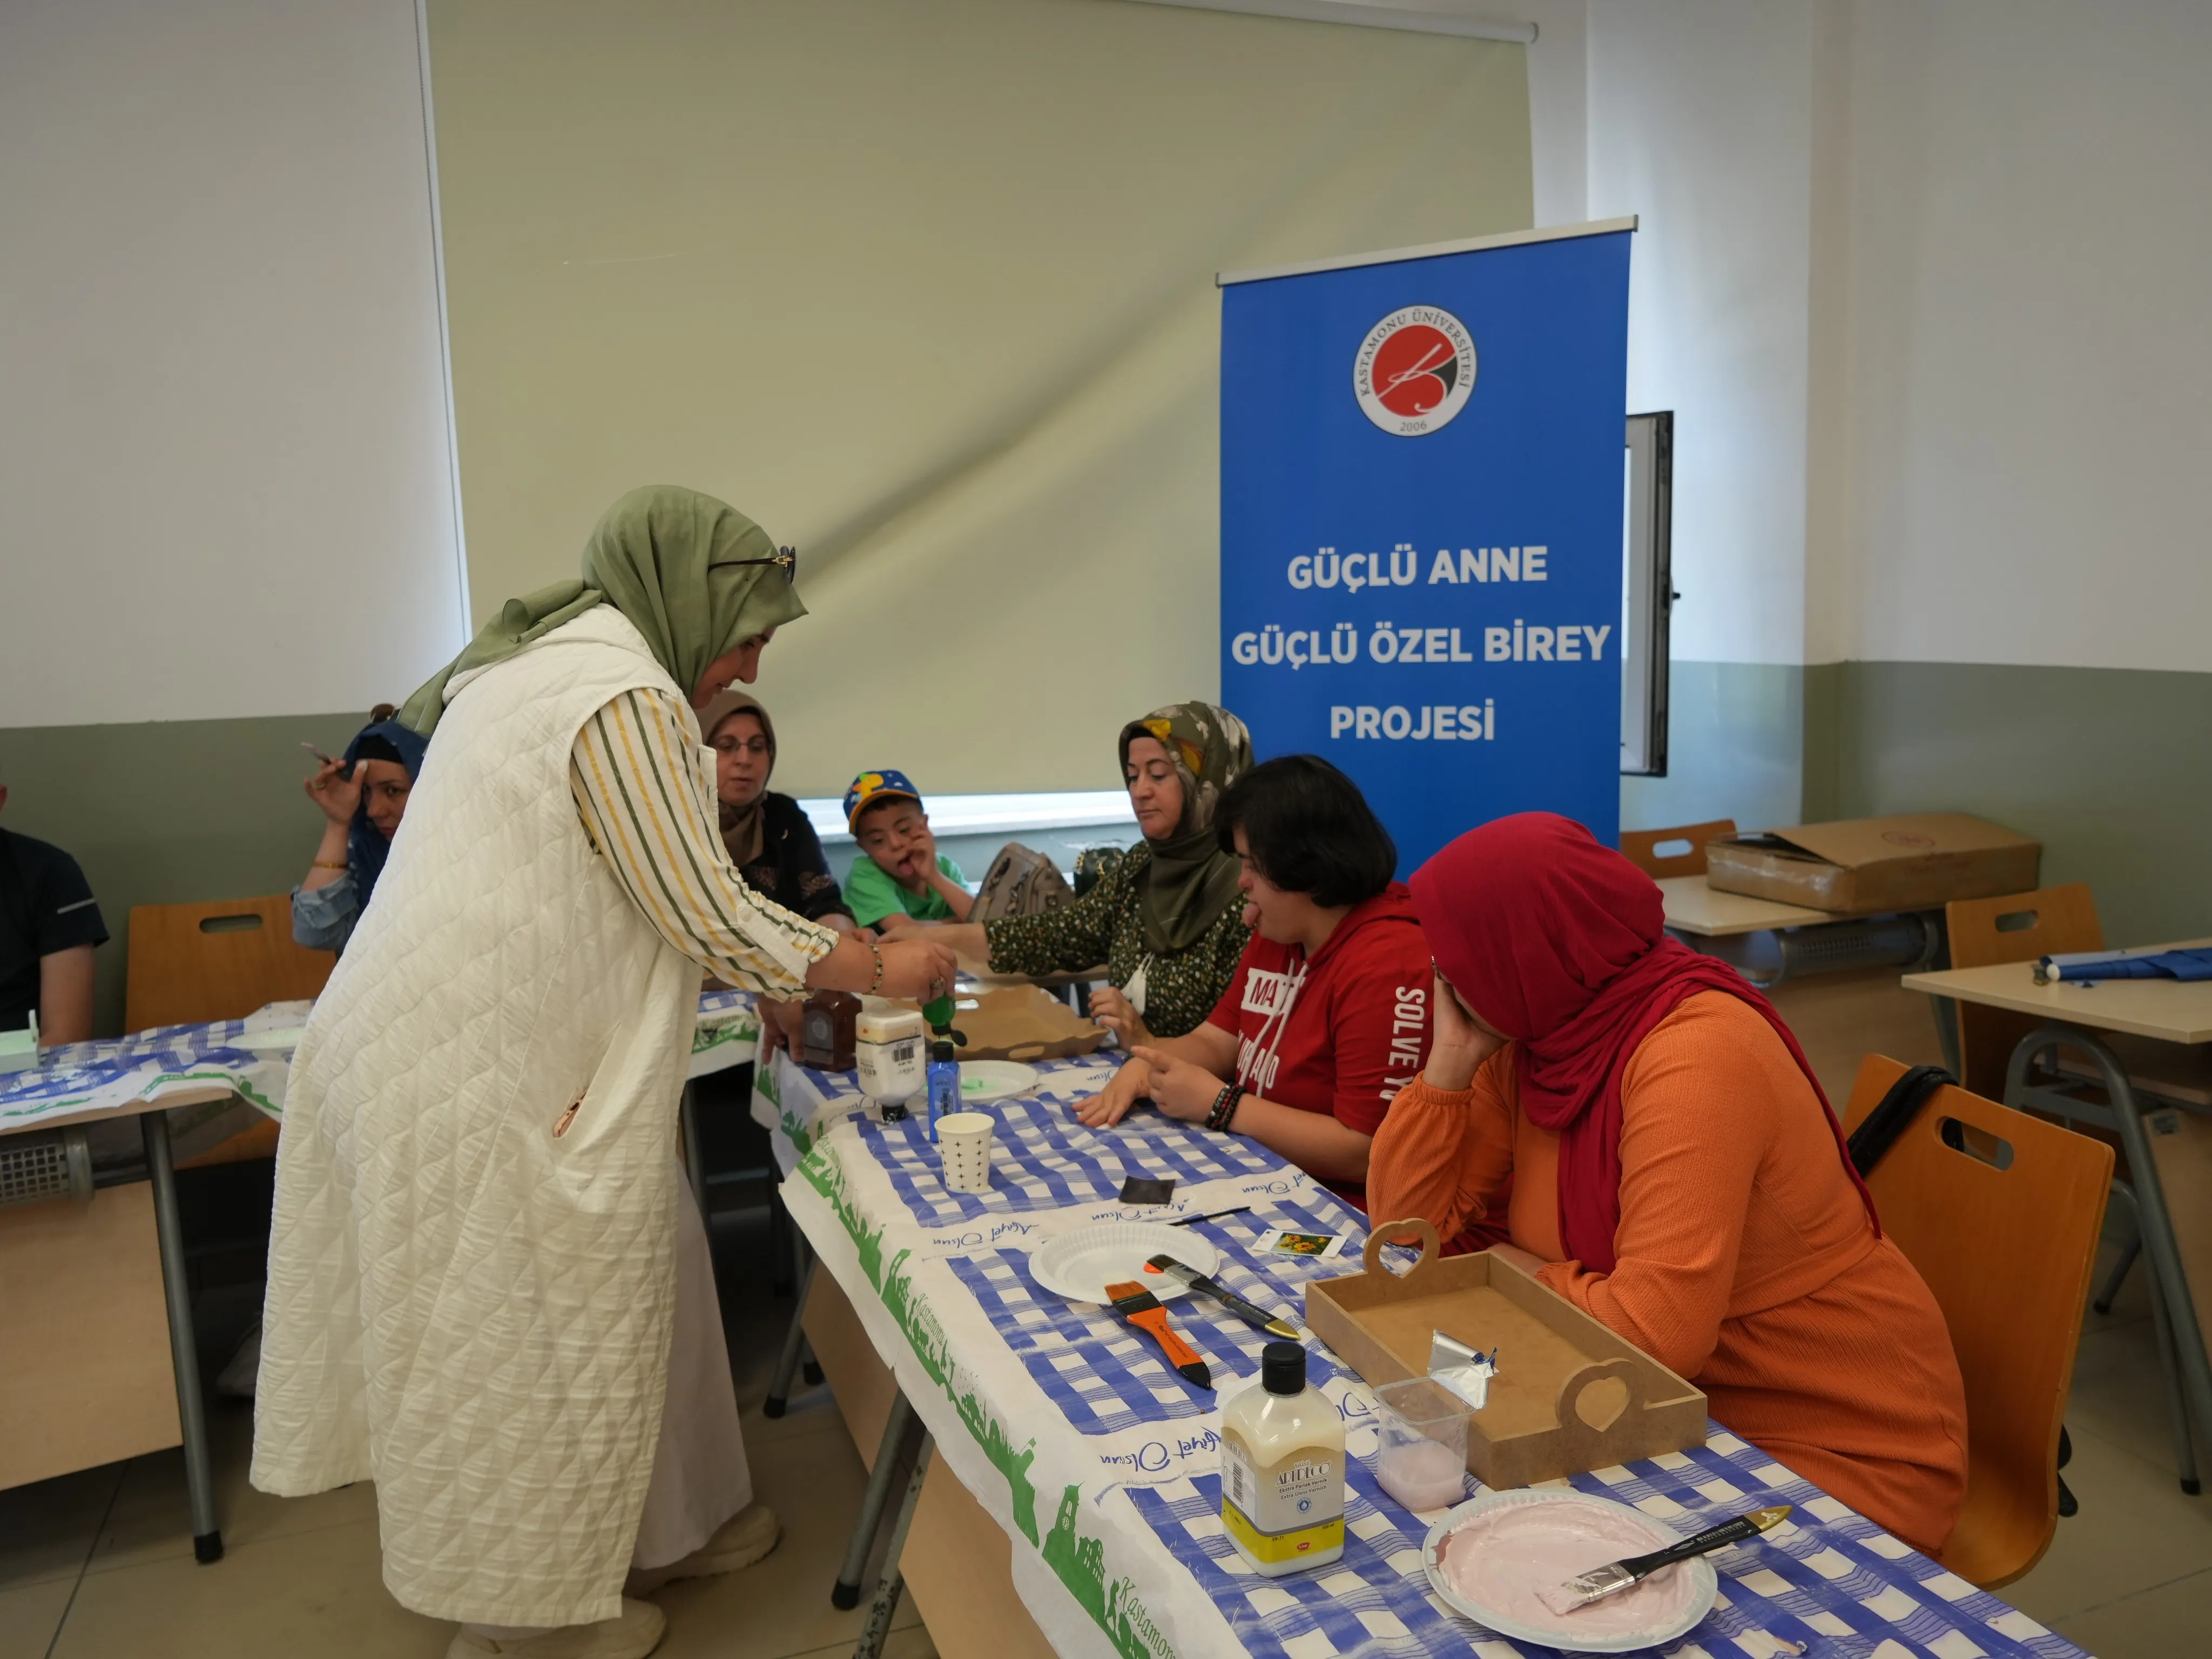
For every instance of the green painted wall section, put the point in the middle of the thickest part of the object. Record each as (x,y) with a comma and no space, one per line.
(170,813)
(1735,749)
(2110,769)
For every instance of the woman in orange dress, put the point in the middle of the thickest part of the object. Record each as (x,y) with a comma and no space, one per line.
(1656,1141)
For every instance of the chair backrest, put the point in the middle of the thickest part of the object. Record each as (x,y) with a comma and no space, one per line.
(1641,847)
(2000,1213)
(190,963)
(2012,927)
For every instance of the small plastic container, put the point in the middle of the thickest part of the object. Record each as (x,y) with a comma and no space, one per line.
(1421,1460)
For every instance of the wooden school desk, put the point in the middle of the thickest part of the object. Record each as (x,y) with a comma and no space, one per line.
(89,1390)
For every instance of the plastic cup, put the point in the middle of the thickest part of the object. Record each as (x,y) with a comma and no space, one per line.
(963,1140)
(1422,1459)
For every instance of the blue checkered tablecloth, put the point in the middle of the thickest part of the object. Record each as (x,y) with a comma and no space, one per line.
(1827,1582)
(1105,1376)
(1083,1391)
(114,1074)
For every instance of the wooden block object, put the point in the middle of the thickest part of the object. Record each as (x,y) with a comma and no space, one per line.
(190,963)
(84,1365)
(959,1561)
(1569,1395)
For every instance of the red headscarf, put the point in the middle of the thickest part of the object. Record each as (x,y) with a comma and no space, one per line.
(1561,945)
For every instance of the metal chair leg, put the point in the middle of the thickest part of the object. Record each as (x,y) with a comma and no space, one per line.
(2119,1273)
(870,1644)
(794,1339)
(847,1591)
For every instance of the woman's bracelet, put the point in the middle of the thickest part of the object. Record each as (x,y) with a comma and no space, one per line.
(325,864)
(877,984)
(1224,1107)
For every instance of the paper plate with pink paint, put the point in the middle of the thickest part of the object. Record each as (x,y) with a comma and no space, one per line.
(1488,1557)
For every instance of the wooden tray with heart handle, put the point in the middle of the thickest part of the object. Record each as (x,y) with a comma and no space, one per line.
(1569,1395)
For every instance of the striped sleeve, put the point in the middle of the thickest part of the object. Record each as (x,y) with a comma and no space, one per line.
(641,796)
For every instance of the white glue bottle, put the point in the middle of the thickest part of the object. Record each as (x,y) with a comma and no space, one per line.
(1282,1468)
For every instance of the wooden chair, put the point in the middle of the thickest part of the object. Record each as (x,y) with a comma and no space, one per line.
(2014,927)
(1641,847)
(190,963)
(2000,1213)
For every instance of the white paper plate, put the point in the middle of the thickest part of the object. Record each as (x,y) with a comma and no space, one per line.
(1703,1578)
(1080,1265)
(982,1081)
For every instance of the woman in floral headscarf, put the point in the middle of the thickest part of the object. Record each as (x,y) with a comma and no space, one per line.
(1167,920)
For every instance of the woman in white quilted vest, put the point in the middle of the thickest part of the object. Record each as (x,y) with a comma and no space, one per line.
(489,1289)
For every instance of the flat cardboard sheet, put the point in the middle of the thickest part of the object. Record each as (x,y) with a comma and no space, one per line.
(1018,1022)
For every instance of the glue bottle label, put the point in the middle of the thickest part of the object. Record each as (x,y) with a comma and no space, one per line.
(1290,1511)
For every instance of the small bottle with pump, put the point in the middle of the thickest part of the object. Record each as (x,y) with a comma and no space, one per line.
(1282,1468)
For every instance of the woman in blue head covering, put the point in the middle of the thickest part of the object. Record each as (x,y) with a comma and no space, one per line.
(362,794)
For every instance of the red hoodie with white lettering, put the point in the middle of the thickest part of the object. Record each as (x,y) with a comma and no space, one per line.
(1341,1032)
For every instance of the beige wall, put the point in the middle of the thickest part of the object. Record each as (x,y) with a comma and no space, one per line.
(926,288)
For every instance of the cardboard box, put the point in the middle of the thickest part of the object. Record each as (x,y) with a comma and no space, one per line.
(1916,861)
(1569,1395)
(1015,1022)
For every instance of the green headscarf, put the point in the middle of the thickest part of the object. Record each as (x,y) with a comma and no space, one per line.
(648,559)
(1190,881)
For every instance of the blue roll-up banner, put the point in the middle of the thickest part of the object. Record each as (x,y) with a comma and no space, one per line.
(1422,466)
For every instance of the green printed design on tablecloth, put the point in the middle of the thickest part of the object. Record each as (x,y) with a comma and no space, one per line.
(1079,1563)
(232,1080)
(795,1130)
(743,1029)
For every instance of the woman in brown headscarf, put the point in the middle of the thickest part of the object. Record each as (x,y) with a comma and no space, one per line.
(768,837)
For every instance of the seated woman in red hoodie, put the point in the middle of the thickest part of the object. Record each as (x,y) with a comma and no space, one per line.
(1327,1016)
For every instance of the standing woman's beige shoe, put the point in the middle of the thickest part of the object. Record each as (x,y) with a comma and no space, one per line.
(738,1542)
(632,1634)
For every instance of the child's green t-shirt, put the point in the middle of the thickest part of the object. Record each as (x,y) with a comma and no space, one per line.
(871,894)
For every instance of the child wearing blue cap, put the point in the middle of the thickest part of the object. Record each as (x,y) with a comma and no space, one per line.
(899,868)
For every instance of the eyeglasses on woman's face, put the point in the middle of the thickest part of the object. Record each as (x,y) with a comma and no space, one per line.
(730,744)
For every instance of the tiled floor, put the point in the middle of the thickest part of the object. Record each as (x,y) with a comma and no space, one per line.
(2131,1577)
(99,1565)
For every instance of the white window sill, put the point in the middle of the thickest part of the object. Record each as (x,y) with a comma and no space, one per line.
(993,815)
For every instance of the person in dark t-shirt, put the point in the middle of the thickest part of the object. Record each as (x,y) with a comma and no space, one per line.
(50,924)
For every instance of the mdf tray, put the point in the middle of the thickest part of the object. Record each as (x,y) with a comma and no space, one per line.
(1569,1395)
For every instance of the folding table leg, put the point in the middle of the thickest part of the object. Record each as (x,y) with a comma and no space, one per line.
(184,1350)
(847,1591)
(794,1341)
(2177,1409)
(2169,1280)
(870,1644)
